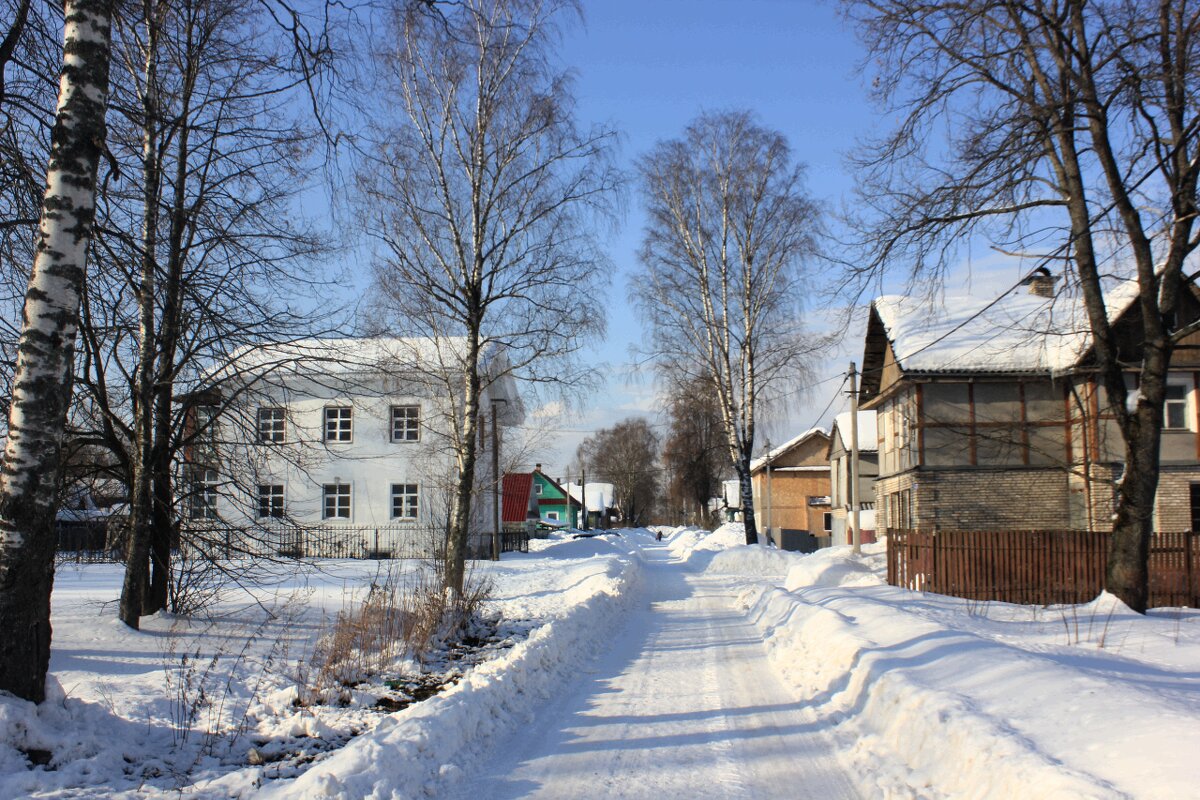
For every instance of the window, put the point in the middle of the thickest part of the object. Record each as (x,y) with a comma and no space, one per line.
(552,515)
(1175,407)
(827,521)
(204,494)
(270,425)
(270,500)
(338,424)
(406,423)
(337,501)
(537,489)
(405,498)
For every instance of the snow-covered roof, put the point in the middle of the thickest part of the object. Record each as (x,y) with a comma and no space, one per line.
(868,435)
(340,357)
(350,354)
(1019,332)
(760,462)
(599,496)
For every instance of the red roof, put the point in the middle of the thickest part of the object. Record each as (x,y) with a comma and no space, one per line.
(517,488)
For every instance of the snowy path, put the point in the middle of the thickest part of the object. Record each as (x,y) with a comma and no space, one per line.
(684,704)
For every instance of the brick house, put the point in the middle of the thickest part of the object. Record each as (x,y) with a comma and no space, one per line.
(791,491)
(992,416)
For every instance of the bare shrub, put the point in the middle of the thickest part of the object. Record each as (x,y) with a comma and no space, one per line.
(403,615)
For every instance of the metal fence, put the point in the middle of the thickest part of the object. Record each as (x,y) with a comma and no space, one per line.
(1037,566)
(98,541)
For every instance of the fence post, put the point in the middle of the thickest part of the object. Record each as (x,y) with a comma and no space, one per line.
(1193,594)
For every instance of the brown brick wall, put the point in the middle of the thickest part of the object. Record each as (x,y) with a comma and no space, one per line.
(986,499)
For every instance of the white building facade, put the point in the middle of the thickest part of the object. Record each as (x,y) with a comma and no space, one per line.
(346,447)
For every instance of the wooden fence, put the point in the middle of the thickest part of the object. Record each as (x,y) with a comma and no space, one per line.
(1036,567)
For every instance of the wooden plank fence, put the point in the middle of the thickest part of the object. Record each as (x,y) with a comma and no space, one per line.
(1037,566)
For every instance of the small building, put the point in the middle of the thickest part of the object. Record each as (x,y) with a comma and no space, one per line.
(598,500)
(731,500)
(791,492)
(839,476)
(519,506)
(555,507)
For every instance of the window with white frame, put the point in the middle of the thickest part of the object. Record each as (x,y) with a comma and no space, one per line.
(339,423)
(1175,407)
(552,515)
(204,494)
(405,500)
(336,501)
(270,500)
(537,489)
(406,423)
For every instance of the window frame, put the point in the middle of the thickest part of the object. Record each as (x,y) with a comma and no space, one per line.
(270,497)
(406,497)
(336,496)
(332,434)
(412,423)
(278,425)
(204,495)
(1185,401)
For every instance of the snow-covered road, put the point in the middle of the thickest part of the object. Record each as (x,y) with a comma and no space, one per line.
(683,704)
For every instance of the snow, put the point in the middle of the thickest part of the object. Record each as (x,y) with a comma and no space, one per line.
(626,666)
(868,433)
(1019,332)
(599,496)
(759,463)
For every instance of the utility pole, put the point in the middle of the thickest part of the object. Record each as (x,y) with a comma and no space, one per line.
(497,480)
(855,518)
(583,494)
(768,445)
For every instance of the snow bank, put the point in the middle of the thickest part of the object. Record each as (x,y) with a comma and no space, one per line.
(936,696)
(428,745)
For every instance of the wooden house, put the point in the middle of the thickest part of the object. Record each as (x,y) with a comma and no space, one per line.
(791,491)
(992,416)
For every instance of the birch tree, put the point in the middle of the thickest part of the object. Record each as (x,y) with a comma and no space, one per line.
(1064,130)
(729,228)
(480,192)
(45,351)
(210,133)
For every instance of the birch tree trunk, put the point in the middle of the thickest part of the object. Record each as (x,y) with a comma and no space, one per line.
(134,593)
(42,383)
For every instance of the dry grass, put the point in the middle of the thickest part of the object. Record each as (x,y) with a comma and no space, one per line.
(402,616)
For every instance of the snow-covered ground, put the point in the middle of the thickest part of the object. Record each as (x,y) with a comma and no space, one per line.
(123,717)
(622,666)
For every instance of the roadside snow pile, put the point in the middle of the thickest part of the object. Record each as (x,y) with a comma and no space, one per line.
(724,551)
(987,699)
(130,712)
(429,745)
(697,547)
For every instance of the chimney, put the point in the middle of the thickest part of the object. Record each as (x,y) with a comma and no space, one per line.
(1040,282)
(537,467)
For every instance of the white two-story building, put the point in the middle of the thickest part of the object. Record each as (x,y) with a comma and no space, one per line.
(343,447)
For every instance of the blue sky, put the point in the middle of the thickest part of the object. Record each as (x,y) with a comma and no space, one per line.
(648,68)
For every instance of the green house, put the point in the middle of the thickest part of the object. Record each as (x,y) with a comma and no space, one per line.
(554,504)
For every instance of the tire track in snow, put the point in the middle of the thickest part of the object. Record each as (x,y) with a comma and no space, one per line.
(682,704)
